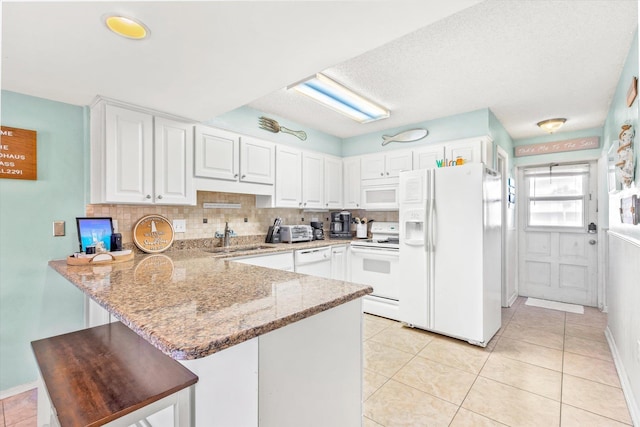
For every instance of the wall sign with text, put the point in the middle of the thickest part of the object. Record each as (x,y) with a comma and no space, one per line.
(18,153)
(587,143)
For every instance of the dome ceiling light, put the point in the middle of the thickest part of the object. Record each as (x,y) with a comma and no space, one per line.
(551,125)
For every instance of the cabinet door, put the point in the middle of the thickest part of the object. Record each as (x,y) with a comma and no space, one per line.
(312,181)
(173,147)
(332,183)
(129,156)
(288,177)
(339,262)
(429,158)
(397,162)
(351,168)
(372,167)
(470,152)
(257,161)
(216,153)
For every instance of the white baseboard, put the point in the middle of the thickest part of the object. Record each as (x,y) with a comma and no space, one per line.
(18,389)
(632,404)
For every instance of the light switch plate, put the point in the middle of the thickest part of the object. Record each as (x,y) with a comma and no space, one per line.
(179,225)
(58,228)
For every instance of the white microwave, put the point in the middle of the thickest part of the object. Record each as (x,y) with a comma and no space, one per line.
(381,197)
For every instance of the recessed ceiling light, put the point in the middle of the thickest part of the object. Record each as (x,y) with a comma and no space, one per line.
(341,99)
(126,27)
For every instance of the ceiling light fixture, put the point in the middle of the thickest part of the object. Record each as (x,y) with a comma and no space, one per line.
(126,27)
(551,125)
(337,97)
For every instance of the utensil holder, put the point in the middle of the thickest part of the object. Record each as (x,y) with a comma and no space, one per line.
(361,231)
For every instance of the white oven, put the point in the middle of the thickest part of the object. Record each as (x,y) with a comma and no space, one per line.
(376,262)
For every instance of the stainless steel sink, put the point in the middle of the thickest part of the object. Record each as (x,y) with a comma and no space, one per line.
(232,249)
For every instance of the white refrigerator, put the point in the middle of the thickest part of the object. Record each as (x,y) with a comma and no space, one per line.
(450,251)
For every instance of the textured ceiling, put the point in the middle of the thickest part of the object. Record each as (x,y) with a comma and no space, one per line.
(525,60)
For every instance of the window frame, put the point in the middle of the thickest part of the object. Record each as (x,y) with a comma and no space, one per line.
(582,169)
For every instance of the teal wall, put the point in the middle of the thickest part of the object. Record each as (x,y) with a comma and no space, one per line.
(465,125)
(36,302)
(244,120)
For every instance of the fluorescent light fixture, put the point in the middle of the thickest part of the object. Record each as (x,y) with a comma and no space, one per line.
(126,27)
(551,125)
(337,97)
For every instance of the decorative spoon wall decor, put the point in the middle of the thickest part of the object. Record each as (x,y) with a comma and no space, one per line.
(273,126)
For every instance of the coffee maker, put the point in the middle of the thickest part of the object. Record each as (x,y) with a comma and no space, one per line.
(340,225)
(318,232)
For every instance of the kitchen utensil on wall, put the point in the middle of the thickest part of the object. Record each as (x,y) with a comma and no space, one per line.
(272,125)
(410,135)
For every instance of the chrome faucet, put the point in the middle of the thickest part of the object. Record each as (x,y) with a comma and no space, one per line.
(227,234)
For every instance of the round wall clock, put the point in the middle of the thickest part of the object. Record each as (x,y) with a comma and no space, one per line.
(153,234)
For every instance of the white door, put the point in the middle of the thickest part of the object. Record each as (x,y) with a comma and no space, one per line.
(339,262)
(173,163)
(216,153)
(257,161)
(558,258)
(129,156)
(372,167)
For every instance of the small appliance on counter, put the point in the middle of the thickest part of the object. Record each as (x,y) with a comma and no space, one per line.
(318,232)
(296,233)
(273,233)
(340,225)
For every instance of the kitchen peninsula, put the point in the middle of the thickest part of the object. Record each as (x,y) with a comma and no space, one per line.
(271,347)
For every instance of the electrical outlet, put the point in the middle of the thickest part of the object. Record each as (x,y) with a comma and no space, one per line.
(246,220)
(179,225)
(204,220)
(58,228)
(114,222)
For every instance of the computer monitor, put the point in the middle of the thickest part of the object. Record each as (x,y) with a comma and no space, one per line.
(93,230)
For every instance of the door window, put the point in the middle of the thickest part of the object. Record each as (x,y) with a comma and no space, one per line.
(557,196)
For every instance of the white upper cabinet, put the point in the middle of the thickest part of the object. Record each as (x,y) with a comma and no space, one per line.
(225,155)
(351,168)
(332,182)
(428,157)
(217,153)
(386,165)
(173,162)
(257,161)
(312,180)
(470,150)
(138,157)
(288,177)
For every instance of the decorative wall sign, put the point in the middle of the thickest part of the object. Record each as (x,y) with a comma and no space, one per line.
(576,144)
(632,92)
(625,158)
(153,234)
(18,157)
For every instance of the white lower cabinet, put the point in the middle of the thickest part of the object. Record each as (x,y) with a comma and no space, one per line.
(339,262)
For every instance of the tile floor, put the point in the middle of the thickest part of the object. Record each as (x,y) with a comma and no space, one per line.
(543,368)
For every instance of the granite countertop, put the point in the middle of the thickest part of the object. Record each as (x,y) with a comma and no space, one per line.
(191,303)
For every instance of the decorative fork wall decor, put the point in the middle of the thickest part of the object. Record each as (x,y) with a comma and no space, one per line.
(273,126)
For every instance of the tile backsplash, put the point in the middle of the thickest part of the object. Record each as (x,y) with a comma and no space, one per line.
(257,219)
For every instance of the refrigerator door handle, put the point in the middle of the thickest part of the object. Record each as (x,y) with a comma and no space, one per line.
(432,213)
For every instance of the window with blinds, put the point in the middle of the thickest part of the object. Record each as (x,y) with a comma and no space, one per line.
(557,196)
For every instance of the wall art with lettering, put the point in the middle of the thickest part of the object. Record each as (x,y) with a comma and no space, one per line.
(18,153)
